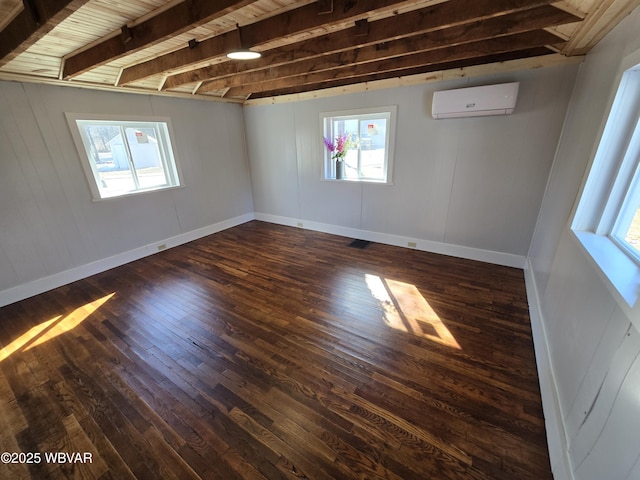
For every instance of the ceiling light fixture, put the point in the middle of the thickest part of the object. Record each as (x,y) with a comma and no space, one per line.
(243,54)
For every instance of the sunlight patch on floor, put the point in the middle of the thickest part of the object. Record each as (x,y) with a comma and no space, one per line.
(406,309)
(49,329)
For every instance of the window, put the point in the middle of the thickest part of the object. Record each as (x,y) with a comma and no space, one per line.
(607,219)
(125,156)
(369,154)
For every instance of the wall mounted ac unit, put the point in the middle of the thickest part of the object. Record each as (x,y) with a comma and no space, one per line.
(475,101)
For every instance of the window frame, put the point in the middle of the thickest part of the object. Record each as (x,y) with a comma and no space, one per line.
(328,167)
(612,182)
(629,177)
(166,148)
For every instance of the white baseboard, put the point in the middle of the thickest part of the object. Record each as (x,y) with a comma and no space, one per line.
(459,251)
(42,285)
(554,420)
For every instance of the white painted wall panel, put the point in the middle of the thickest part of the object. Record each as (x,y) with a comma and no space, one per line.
(619,437)
(481,196)
(593,346)
(615,330)
(344,208)
(635,470)
(215,134)
(586,449)
(23,158)
(48,223)
(474,182)
(274,167)
(68,182)
(575,297)
(431,174)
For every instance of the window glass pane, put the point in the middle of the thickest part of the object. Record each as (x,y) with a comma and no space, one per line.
(373,134)
(106,150)
(348,126)
(345,125)
(145,154)
(116,182)
(627,226)
(351,164)
(632,237)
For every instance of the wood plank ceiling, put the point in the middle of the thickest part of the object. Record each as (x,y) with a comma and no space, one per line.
(309,48)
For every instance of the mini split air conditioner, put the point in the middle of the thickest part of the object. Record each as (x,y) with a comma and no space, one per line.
(475,101)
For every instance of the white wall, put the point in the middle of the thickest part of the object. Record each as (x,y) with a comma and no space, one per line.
(594,351)
(475,182)
(48,223)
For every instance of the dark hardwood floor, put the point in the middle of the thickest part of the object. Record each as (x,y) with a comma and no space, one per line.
(272,352)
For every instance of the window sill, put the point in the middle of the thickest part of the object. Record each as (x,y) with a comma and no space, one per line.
(136,193)
(621,273)
(355,180)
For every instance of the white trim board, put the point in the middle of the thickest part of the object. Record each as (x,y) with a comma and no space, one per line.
(469,253)
(41,285)
(554,420)
(45,284)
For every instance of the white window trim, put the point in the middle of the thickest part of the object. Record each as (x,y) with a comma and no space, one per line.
(87,165)
(392,110)
(605,190)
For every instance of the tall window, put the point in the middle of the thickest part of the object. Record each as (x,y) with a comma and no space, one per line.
(369,153)
(125,156)
(607,219)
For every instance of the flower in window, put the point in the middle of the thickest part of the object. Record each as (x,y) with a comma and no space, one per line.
(340,145)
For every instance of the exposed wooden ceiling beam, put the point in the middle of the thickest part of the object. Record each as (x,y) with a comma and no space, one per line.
(37,19)
(490,62)
(598,22)
(294,21)
(465,51)
(405,53)
(400,26)
(176,20)
(301,19)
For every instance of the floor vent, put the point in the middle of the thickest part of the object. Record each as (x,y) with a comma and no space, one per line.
(359,244)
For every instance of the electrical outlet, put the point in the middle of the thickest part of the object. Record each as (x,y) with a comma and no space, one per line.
(162,247)
(411,244)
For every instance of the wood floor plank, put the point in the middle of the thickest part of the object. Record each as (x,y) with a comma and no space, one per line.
(271,352)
